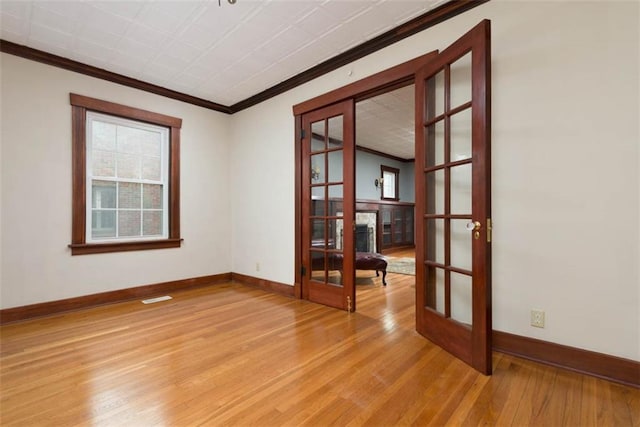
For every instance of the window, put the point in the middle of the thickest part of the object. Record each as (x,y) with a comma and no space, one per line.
(125,178)
(390,184)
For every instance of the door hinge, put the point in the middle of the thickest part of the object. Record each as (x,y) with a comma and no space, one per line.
(348,304)
(489,228)
(302,134)
(303,270)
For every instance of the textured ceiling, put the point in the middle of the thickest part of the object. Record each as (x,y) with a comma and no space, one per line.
(385,123)
(222,53)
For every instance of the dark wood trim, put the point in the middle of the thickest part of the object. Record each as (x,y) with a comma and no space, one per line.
(414,26)
(80,105)
(88,70)
(381,154)
(378,83)
(101,248)
(15,314)
(587,362)
(264,284)
(125,111)
(298,209)
(78,171)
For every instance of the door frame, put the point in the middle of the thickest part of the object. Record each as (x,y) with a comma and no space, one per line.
(393,78)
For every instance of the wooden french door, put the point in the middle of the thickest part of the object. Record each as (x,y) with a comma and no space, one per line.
(453,199)
(328,205)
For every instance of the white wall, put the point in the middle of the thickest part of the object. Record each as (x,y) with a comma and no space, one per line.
(36,264)
(565,158)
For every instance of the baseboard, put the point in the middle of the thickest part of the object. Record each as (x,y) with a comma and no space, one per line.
(266,285)
(15,314)
(587,362)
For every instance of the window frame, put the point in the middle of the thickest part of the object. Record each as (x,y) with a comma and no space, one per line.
(396,185)
(80,105)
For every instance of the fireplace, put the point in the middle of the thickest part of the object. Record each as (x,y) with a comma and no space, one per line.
(362,238)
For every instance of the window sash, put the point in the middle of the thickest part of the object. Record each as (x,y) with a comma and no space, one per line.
(91,119)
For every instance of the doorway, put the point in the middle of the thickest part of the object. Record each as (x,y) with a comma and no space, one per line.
(439,117)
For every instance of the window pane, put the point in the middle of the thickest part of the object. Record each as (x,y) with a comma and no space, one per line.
(103,195)
(103,224)
(129,139)
(104,136)
(151,144)
(151,168)
(128,223)
(128,166)
(129,195)
(152,223)
(152,196)
(104,163)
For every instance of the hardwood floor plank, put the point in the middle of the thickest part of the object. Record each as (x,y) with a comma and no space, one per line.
(234,355)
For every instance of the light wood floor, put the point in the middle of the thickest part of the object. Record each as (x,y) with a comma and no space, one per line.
(233,355)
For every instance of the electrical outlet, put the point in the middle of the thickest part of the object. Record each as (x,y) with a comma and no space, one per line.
(537,318)
(257,266)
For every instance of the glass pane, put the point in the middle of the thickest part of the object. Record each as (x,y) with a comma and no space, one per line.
(318,266)
(434,240)
(318,175)
(335,132)
(151,168)
(434,149)
(129,195)
(317,136)
(103,195)
(461,298)
(318,240)
(398,232)
(335,166)
(435,95)
(335,234)
(128,166)
(434,288)
(461,189)
(129,139)
(461,242)
(151,196)
(151,144)
(408,231)
(389,182)
(461,81)
(152,223)
(104,136)
(128,223)
(335,192)
(103,223)
(103,163)
(434,192)
(334,269)
(461,135)
(318,201)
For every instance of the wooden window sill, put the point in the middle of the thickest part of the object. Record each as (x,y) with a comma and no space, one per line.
(100,248)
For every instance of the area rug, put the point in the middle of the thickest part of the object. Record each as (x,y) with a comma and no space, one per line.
(401,265)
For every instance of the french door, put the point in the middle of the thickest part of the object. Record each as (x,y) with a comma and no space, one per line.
(453,199)
(328,204)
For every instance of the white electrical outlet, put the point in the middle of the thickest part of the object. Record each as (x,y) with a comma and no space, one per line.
(257,266)
(537,318)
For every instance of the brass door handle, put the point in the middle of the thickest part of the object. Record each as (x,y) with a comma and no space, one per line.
(473,225)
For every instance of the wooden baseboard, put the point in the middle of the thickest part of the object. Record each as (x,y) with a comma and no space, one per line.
(587,362)
(15,314)
(267,285)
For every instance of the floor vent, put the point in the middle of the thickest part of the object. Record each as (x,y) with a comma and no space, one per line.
(158,299)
